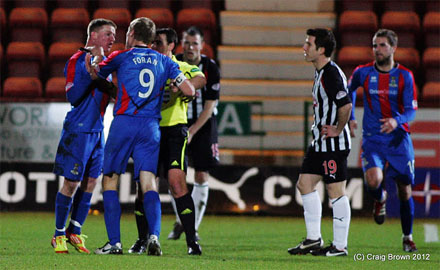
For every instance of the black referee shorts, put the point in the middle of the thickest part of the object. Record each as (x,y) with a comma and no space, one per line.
(173,143)
(331,165)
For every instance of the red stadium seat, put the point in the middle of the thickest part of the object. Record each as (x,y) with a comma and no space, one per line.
(207,50)
(431,64)
(406,24)
(431,94)
(197,4)
(200,17)
(431,28)
(409,57)
(114,4)
(162,17)
(72,4)
(2,24)
(352,56)
(25,59)
(357,28)
(22,87)
(69,24)
(30,3)
(155,4)
(399,5)
(366,5)
(120,16)
(55,88)
(59,54)
(28,24)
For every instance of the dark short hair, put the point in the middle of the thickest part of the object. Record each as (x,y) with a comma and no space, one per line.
(170,33)
(194,30)
(389,34)
(96,24)
(144,29)
(324,38)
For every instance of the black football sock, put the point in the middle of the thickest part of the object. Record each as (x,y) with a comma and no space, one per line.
(141,221)
(185,210)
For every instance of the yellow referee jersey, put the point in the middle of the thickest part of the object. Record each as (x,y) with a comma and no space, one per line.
(174,110)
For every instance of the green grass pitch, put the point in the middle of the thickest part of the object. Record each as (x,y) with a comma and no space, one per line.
(229,242)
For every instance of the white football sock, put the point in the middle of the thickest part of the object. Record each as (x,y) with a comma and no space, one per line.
(173,203)
(341,221)
(200,194)
(312,214)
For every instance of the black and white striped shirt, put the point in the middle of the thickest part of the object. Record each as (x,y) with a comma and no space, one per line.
(329,93)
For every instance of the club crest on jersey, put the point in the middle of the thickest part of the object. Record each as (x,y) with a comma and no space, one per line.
(373,79)
(341,94)
(74,171)
(393,82)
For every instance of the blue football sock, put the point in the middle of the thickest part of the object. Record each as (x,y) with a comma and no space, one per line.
(407,216)
(112,215)
(80,210)
(62,208)
(153,211)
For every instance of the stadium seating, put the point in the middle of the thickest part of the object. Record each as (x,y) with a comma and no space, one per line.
(409,57)
(2,24)
(431,28)
(32,3)
(207,50)
(162,17)
(28,24)
(351,56)
(114,4)
(399,5)
(120,16)
(431,64)
(431,94)
(197,4)
(72,4)
(55,88)
(365,5)
(406,24)
(22,87)
(200,17)
(59,53)
(155,4)
(25,59)
(357,28)
(68,24)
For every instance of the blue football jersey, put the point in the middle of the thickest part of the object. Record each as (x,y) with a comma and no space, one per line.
(386,94)
(142,74)
(88,105)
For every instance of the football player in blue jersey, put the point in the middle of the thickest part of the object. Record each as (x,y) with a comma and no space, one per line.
(134,132)
(80,151)
(390,102)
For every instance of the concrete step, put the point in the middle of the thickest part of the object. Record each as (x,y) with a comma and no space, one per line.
(278,19)
(273,105)
(278,123)
(281,5)
(271,141)
(268,53)
(267,88)
(257,69)
(248,157)
(263,36)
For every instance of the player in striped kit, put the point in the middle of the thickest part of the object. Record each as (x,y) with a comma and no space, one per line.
(390,102)
(326,157)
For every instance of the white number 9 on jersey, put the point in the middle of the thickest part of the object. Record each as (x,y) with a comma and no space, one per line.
(149,84)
